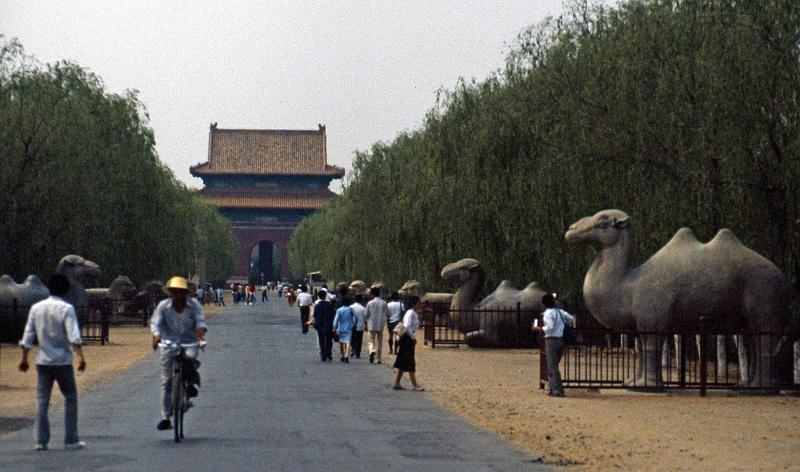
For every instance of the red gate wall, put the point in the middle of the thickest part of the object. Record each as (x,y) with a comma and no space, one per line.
(249,237)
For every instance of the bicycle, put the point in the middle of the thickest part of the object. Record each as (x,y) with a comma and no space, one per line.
(179,394)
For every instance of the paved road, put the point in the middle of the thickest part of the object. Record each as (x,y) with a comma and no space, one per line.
(267,403)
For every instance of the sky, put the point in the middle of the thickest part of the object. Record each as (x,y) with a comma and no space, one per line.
(366,70)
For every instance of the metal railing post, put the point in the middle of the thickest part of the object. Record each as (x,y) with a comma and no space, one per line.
(542,361)
(703,357)
(682,360)
(518,323)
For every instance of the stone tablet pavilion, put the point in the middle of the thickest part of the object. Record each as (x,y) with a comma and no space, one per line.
(265,182)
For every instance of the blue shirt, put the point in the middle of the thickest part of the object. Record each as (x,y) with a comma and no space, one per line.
(177,327)
(53,325)
(343,321)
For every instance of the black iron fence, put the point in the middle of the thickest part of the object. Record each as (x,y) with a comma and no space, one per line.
(94,319)
(501,327)
(699,360)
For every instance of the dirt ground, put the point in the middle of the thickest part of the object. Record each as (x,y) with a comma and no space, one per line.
(127,344)
(499,390)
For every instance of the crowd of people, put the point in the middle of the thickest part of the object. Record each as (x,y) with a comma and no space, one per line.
(343,319)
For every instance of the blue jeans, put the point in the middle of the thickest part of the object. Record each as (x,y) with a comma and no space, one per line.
(64,375)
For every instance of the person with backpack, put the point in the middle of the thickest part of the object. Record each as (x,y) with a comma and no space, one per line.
(554,321)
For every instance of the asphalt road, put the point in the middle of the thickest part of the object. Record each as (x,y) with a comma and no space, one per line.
(267,403)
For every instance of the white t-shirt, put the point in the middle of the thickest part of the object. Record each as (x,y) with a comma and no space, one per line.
(358,316)
(305,299)
(553,326)
(395,311)
(411,322)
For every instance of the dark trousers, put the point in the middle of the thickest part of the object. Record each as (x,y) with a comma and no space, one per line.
(305,311)
(325,344)
(554,347)
(355,343)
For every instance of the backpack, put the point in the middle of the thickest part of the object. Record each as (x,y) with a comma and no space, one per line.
(569,336)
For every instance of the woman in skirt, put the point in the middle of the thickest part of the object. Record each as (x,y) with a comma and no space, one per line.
(343,325)
(405,361)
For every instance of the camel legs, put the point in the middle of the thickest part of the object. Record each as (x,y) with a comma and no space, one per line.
(648,353)
(797,362)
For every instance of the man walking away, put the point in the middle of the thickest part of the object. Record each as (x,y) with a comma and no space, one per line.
(553,322)
(304,301)
(322,320)
(358,327)
(376,315)
(53,325)
(395,316)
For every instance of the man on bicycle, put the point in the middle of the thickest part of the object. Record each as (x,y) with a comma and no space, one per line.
(176,320)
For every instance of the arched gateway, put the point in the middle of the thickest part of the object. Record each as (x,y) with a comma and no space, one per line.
(265,182)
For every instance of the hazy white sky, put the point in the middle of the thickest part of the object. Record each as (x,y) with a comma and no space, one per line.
(367,70)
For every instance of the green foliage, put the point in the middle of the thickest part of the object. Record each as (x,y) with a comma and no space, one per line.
(682,113)
(80,175)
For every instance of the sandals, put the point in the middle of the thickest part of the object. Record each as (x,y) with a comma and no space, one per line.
(398,387)
(421,389)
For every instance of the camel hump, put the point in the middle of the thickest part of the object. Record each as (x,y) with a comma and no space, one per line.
(533,286)
(725,236)
(506,285)
(684,236)
(6,280)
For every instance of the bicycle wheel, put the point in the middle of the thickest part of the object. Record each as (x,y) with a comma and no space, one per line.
(177,402)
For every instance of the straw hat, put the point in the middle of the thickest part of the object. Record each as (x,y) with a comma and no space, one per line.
(177,283)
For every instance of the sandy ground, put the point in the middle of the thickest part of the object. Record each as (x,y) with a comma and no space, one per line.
(499,390)
(127,344)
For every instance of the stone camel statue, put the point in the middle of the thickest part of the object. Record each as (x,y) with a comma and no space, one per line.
(121,293)
(383,292)
(27,293)
(358,288)
(486,331)
(413,287)
(730,285)
(79,271)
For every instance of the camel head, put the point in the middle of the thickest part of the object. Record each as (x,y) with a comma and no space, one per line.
(601,230)
(70,266)
(462,271)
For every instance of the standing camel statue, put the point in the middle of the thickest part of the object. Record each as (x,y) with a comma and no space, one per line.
(725,282)
(484,331)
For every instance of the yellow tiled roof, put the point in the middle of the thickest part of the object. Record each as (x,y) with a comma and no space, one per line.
(279,198)
(265,152)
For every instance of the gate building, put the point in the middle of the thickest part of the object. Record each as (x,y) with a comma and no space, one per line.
(265,182)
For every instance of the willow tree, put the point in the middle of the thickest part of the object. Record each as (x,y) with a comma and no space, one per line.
(80,174)
(682,113)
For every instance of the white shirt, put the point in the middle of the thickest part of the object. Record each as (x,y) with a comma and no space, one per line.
(553,327)
(358,316)
(53,325)
(304,299)
(376,314)
(331,297)
(411,322)
(395,311)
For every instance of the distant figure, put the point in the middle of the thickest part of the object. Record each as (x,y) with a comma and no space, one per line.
(322,320)
(343,325)
(264,297)
(358,327)
(376,315)
(291,296)
(553,322)
(406,361)
(395,307)
(304,301)
(220,297)
(53,325)
(200,294)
